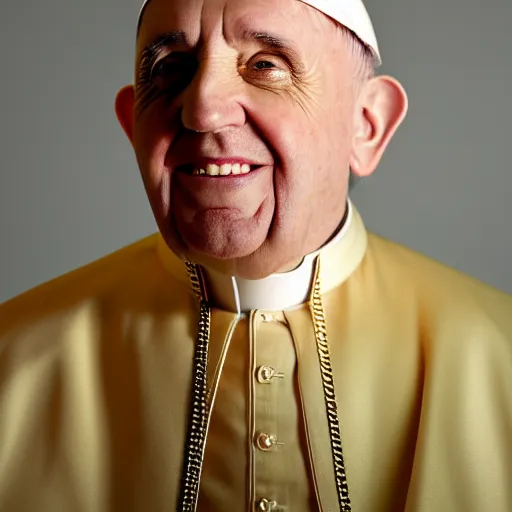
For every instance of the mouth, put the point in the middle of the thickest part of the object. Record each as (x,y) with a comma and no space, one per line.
(218,169)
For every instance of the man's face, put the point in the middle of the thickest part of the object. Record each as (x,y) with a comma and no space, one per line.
(261,85)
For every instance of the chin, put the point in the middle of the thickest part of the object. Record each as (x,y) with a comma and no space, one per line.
(222,248)
(249,256)
(253,266)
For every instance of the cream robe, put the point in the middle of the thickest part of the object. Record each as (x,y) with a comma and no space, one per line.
(95,376)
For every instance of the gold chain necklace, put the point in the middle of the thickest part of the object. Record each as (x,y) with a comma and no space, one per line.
(199,410)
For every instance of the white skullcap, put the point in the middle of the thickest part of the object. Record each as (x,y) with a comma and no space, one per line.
(352,14)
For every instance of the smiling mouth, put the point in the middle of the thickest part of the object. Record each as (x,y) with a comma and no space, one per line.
(221,171)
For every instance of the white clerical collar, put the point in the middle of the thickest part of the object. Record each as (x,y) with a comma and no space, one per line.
(277,292)
(338,258)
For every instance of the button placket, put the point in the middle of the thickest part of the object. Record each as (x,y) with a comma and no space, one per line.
(270,379)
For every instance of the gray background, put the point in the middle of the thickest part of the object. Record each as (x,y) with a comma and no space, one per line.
(70,190)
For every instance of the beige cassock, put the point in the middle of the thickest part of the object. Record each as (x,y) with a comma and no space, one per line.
(96,379)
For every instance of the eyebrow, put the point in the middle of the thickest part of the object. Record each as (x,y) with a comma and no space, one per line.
(272,41)
(163,41)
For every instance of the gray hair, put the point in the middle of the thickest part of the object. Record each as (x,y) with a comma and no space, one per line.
(366,69)
(366,59)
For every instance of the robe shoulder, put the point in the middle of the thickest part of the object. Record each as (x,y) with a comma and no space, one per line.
(444,299)
(131,279)
(442,341)
(95,370)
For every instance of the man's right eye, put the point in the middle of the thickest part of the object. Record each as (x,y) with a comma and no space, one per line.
(173,72)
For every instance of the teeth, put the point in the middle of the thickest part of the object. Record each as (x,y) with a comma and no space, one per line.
(213,170)
(223,170)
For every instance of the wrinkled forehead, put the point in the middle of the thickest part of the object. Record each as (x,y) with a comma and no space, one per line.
(194,17)
(199,18)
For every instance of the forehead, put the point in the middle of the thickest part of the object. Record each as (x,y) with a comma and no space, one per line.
(202,19)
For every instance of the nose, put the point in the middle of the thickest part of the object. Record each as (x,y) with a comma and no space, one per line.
(211,103)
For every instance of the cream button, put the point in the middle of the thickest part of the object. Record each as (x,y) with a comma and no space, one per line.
(266,505)
(267,317)
(264,442)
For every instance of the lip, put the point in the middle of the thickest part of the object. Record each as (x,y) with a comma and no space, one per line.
(233,181)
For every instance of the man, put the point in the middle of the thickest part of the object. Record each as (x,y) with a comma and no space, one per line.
(317,367)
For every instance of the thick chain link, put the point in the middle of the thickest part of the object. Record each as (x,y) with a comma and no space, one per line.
(317,311)
(199,411)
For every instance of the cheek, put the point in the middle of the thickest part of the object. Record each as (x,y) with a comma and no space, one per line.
(312,150)
(305,144)
(283,126)
(153,137)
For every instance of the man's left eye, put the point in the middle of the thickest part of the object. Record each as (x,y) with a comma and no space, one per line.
(264,64)
(266,71)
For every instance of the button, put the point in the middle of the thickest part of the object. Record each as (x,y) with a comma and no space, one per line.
(267,317)
(264,442)
(265,374)
(265,505)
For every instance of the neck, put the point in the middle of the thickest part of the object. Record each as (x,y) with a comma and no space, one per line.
(284,290)
(297,263)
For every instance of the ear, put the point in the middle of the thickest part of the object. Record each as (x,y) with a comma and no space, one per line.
(124,107)
(382,107)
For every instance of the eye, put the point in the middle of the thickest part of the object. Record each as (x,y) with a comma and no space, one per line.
(263,65)
(268,71)
(174,72)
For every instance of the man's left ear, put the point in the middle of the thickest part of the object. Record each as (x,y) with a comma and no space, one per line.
(382,106)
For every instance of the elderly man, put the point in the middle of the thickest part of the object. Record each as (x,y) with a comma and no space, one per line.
(316,367)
